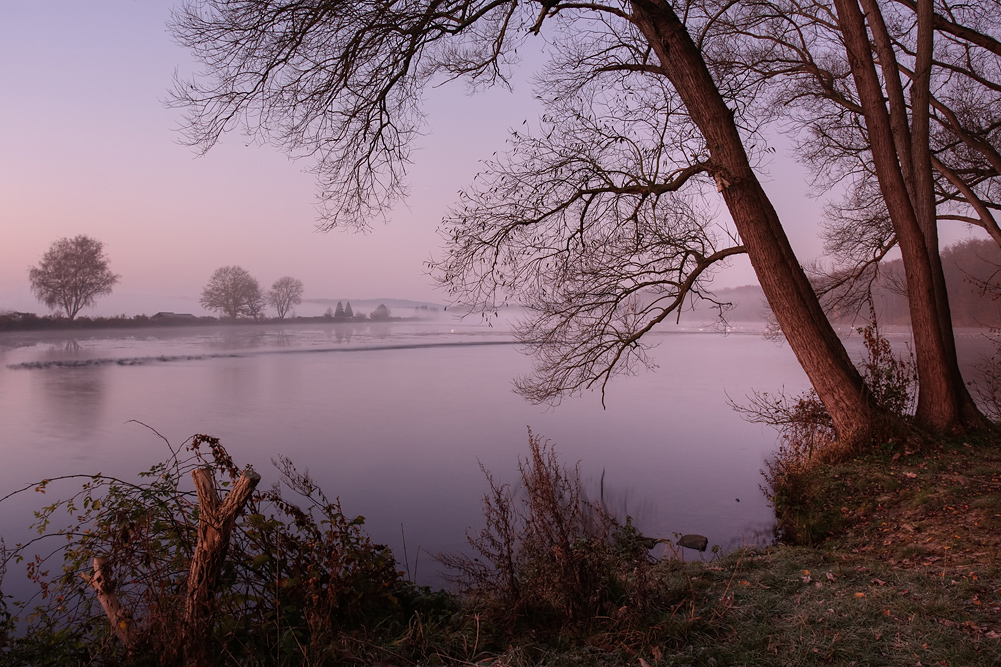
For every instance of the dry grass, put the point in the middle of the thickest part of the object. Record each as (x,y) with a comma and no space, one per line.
(902,569)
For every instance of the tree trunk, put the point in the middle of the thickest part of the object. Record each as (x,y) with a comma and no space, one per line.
(118,615)
(215,524)
(905,179)
(789,293)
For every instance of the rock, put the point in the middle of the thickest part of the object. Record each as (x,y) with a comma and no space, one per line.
(697,542)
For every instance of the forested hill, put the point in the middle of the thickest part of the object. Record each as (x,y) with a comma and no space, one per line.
(968,266)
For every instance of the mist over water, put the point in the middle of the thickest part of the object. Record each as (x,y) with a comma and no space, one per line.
(395,419)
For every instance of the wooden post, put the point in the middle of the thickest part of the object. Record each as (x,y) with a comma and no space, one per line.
(216,519)
(121,619)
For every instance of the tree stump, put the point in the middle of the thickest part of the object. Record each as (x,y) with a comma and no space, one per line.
(216,519)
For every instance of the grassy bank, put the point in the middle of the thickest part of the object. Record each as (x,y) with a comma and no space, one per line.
(899,566)
(902,569)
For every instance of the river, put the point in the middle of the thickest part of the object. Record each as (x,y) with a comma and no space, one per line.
(396,418)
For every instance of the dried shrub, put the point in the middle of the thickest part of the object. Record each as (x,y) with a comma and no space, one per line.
(548,558)
(987,386)
(892,379)
(804,425)
(298,577)
(807,435)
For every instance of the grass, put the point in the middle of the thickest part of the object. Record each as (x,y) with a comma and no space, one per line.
(902,568)
(804,605)
(899,566)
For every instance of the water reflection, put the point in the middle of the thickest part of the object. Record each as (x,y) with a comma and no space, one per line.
(398,431)
(74,399)
(240,338)
(343,332)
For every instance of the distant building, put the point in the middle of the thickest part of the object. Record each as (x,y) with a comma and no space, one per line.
(165,317)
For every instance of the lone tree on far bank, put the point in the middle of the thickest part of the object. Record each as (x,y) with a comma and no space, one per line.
(72,274)
(285,293)
(233,292)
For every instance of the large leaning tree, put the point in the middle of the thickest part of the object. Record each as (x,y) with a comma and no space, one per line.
(233,292)
(72,274)
(899,101)
(600,218)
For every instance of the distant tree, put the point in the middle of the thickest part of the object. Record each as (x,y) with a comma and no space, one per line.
(72,274)
(234,292)
(285,293)
(255,308)
(339,313)
(348,313)
(381,312)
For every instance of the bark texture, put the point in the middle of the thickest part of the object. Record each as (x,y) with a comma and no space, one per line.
(903,165)
(216,519)
(120,618)
(789,293)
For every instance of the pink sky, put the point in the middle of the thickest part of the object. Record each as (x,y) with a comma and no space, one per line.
(88,148)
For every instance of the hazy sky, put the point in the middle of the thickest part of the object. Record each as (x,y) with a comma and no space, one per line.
(87,147)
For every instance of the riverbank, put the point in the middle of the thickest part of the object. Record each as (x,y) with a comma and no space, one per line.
(902,569)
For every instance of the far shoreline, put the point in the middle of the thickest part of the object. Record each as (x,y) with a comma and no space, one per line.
(18,321)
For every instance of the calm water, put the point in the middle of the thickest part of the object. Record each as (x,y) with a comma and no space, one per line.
(395,420)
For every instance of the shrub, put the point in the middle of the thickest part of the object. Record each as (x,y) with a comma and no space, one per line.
(987,386)
(297,573)
(549,559)
(892,379)
(805,427)
(807,435)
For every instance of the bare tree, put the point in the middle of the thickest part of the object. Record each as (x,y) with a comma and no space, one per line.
(72,274)
(233,292)
(899,102)
(284,293)
(600,219)
(902,159)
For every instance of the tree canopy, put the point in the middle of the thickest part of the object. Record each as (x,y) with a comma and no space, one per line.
(233,292)
(284,293)
(600,217)
(72,274)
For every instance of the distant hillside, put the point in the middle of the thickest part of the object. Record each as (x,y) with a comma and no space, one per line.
(748,305)
(968,266)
